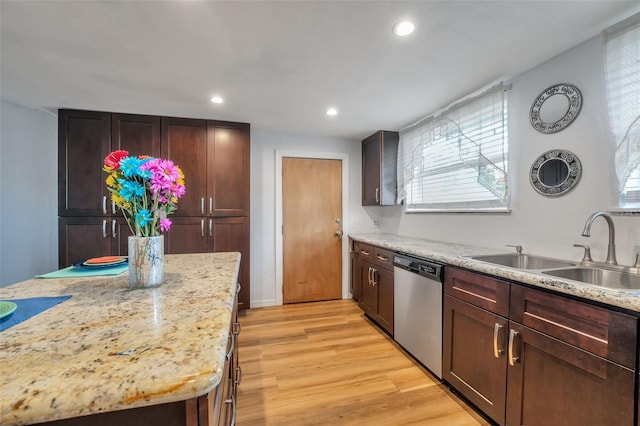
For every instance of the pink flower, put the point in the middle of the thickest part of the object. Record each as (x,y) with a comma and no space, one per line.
(165,224)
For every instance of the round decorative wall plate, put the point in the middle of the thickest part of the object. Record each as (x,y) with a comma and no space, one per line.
(555,172)
(555,108)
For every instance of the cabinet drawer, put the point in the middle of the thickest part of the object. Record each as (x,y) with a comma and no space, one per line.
(383,257)
(603,332)
(365,251)
(479,290)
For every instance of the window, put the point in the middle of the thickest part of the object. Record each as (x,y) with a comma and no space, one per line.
(623,95)
(457,160)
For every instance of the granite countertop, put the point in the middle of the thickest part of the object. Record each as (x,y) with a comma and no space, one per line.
(63,362)
(453,254)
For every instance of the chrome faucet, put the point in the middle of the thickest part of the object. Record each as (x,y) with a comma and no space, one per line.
(611,250)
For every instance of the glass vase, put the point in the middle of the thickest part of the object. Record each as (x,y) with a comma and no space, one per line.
(146,261)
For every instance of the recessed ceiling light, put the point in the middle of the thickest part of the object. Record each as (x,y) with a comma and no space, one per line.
(217,99)
(404,28)
(332,111)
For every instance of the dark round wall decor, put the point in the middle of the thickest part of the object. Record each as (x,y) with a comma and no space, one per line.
(555,108)
(555,172)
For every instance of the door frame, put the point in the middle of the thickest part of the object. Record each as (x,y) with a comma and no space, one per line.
(278,228)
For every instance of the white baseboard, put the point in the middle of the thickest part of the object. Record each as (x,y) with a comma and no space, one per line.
(263,303)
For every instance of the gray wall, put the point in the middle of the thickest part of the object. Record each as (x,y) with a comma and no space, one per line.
(544,225)
(28,193)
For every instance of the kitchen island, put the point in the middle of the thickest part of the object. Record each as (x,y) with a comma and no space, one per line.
(127,353)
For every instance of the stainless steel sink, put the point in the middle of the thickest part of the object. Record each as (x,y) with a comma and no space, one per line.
(523,261)
(600,277)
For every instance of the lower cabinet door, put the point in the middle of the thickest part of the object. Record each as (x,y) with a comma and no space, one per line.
(553,383)
(384,283)
(368,291)
(187,235)
(80,238)
(474,355)
(232,234)
(355,276)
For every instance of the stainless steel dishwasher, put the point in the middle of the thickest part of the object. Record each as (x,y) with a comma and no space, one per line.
(417,307)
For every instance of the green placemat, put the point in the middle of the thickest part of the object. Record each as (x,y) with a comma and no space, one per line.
(73,272)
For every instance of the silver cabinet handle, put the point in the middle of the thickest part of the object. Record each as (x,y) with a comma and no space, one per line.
(232,401)
(211,227)
(210,205)
(512,337)
(377,195)
(370,275)
(202,207)
(373,277)
(237,328)
(104,204)
(114,228)
(113,207)
(202,227)
(238,375)
(365,253)
(496,331)
(233,345)
(104,228)
(382,258)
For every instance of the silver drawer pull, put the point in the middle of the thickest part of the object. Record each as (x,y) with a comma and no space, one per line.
(496,332)
(512,337)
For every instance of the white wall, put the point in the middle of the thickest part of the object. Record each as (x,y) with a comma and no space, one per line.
(28,193)
(264,145)
(544,225)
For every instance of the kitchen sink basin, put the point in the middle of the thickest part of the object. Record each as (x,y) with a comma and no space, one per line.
(600,277)
(523,261)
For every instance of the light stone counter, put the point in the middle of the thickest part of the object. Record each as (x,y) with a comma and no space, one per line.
(61,363)
(453,254)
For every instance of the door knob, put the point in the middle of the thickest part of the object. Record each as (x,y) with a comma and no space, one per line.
(339,233)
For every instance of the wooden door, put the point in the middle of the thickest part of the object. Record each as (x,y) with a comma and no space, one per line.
(371,155)
(470,362)
(228,164)
(184,141)
(553,383)
(311,217)
(84,140)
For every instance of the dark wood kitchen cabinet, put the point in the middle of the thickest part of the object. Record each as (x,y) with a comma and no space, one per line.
(528,357)
(214,157)
(379,166)
(376,284)
(475,326)
(85,138)
(213,215)
(354,271)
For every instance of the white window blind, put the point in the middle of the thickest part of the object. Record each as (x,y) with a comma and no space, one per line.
(623,93)
(457,160)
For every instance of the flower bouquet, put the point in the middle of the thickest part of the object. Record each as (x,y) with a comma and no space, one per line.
(146,189)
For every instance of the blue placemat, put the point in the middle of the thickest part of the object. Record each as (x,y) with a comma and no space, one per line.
(28,308)
(73,272)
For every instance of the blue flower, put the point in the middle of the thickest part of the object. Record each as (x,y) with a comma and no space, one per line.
(143,217)
(130,189)
(130,167)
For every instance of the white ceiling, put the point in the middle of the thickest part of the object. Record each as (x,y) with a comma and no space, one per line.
(279,65)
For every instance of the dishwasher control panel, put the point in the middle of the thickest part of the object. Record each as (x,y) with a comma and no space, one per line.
(422,267)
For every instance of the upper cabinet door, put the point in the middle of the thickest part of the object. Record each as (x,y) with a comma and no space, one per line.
(379,158)
(228,170)
(84,140)
(138,134)
(371,156)
(184,141)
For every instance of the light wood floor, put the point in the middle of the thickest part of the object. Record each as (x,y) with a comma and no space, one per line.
(324,363)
